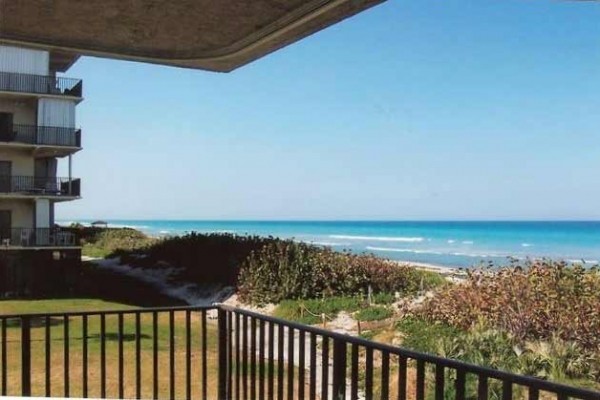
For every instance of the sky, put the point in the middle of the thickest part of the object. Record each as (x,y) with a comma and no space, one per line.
(415,109)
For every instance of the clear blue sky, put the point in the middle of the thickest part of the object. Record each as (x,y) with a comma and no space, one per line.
(421,109)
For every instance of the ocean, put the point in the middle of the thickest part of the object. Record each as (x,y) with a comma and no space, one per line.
(444,243)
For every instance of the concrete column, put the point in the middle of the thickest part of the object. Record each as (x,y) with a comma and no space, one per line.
(70,173)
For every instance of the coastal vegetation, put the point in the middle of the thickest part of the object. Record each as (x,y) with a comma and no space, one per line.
(201,258)
(109,242)
(533,300)
(284,269)
(538,318)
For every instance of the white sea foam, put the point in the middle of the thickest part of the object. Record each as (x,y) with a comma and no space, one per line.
(330,244)
(419,251)
(451,241)
(396,250)
(467,242)
(583,261)
(474,255)
(379,238)
(526,244)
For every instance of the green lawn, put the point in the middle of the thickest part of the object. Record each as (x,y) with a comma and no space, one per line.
(76,350)
(93,335)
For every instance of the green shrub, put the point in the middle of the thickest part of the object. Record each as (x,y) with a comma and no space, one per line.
(110,242)
(554,359)
(558,360)
(290,270)
(202,258)
(373,313)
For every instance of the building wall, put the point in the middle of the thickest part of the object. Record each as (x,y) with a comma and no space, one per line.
(24,110)
(38,273)
(56,112)
(22,212)
(42,213)
(22,161)
(24,61)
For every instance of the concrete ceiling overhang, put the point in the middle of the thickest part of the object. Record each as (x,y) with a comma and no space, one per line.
(216,35)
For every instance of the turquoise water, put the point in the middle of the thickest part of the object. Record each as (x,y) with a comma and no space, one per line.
(460,244)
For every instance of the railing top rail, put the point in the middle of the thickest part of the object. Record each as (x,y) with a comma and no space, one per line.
(39,177)
(45,126)
(39,229)
(529,381)
(108,312)
(63,78)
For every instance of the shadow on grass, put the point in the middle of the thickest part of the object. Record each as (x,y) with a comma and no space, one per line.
(95,283)
(114,337)
(35,322)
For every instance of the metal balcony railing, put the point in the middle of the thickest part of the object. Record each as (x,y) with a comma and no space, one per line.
(226,353)
(41,135)
(33,185)
(37,237)
(40,84)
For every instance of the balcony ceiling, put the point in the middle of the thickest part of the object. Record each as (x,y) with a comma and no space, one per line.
(216,35)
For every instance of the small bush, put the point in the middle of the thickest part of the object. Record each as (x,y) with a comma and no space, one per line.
(203,258)
(290,270)
(373,313)
(554,359)
(536,301)
(109,242)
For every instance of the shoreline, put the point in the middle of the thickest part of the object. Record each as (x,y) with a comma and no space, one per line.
(440,269)
(456,253)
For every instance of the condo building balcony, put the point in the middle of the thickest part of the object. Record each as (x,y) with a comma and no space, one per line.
(36,237)
(40,85)
(17,186)
(60,140)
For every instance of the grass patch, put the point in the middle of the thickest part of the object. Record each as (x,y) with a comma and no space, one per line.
(75,351)
(383,298)
(373,313)
(112,354)
(429,279)
(309,311)
(58,305)
(101,243)
(424,336)
(368,335)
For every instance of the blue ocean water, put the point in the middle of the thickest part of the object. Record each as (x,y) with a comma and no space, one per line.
(458,244)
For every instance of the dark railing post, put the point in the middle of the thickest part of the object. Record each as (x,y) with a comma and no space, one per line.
(222,331)
(25,356)
(339,369)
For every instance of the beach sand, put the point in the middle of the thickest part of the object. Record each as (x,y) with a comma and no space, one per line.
(444,270)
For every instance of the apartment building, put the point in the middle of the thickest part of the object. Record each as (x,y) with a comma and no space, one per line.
(37,132)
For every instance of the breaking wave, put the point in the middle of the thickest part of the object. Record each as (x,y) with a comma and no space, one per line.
(379,238)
